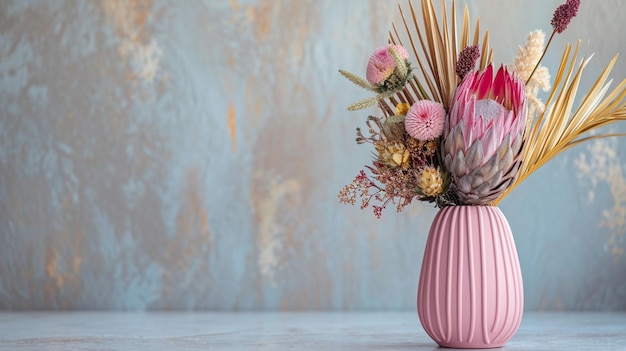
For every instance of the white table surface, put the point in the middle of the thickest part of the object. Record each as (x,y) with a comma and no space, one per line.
(285,331)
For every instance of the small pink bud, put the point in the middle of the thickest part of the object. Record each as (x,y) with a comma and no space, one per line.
(381,64)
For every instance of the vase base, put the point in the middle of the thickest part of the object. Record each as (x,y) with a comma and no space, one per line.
(469,345)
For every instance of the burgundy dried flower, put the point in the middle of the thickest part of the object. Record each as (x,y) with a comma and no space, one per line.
(564,14)
(467,60)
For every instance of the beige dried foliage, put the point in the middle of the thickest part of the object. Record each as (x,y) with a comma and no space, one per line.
(561,126)
(435,42)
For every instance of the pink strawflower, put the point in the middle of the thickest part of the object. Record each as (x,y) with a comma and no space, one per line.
(564,14)
(425,120)
(381,64)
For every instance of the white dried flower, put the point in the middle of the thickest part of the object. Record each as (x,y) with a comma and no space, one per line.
(525,61)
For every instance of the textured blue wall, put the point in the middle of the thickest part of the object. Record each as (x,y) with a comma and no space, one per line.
(188,155)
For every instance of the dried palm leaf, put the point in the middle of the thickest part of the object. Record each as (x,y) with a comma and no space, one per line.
(560,127)
(435,47)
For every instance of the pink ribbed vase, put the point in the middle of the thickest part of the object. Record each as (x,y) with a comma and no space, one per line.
(470,292)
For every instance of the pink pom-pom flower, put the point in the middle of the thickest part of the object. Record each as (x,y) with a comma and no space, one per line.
(425,120)
(381,64)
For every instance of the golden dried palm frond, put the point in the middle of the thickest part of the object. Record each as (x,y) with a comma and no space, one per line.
(560,127)
(435,47)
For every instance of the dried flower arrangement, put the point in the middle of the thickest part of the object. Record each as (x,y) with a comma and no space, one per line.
(454,134)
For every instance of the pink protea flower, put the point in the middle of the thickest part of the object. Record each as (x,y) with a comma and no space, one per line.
(483,135)
(381,64)
(425,120)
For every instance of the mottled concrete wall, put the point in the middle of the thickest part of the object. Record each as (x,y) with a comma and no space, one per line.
(187,155)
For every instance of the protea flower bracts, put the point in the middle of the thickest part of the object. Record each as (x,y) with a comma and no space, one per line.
(483,136)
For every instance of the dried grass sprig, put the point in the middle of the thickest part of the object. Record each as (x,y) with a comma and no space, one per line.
(357,80)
